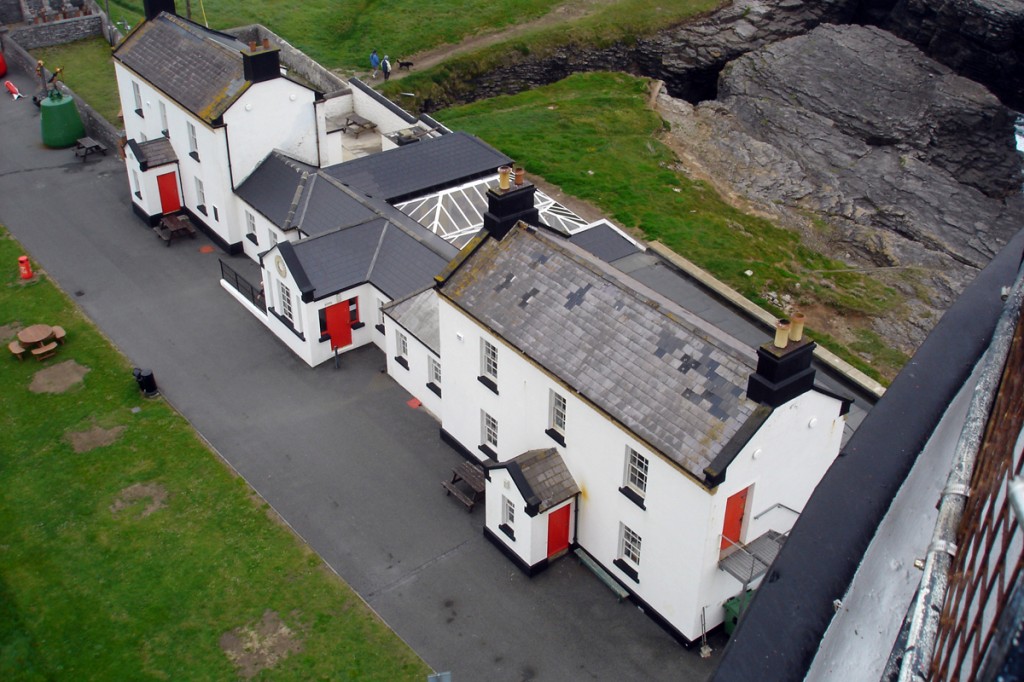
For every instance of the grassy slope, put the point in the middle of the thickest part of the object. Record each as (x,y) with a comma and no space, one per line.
(89,594)
(593,135)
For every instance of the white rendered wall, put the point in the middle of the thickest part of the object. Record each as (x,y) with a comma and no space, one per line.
(417,376)
(366,106)
(274,114)
(524,527)
(681,524)
(149,201)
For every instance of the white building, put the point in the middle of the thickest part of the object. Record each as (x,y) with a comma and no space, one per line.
(609,419)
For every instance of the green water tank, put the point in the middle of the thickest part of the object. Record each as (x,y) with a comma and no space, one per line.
(61,124)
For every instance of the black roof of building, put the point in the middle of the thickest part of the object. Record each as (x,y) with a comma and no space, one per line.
(378,251)
(605,242)
(425,166)
(291,194)
(198,68)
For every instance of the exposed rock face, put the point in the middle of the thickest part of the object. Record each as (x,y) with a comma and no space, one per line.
(909,164)
(980,39)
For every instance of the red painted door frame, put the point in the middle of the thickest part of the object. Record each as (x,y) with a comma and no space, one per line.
(735,507)
(167,185)
(558,530)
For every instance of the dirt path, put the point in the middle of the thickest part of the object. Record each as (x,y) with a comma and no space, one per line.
(570,11)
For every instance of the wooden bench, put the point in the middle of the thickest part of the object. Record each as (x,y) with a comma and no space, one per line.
(59,335)
(605,577)
(43,352)
(358,124)
(17,349)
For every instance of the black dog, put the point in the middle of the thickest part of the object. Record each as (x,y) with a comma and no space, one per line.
(405,65)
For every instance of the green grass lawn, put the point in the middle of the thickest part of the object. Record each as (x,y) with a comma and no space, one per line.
(341,34)
(88,70)
(593,135)
(94,585)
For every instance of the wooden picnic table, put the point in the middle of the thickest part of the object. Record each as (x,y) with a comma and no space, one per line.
(86,146)
(357,123)
(173,227)
(473,476)
(36,334)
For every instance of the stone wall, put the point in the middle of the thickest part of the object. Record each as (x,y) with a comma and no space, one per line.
(96,126)
(10,12)
(58,32)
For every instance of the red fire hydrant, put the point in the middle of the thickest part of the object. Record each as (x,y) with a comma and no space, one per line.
(25,266)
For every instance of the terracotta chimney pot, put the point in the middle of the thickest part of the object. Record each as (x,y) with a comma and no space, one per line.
(503,173)
(796,331)
(781,333)
(266,43)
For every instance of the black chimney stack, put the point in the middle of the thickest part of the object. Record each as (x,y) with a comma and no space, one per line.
(783,365)
(507,206)
(155,7)
(261,62)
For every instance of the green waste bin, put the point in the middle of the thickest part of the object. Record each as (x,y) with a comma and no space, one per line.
(60,121)
(734,608)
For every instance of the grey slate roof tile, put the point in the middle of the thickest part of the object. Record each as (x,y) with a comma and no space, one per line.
(418,313)
(198,68)
(620,345)
(548,477)
(156,152)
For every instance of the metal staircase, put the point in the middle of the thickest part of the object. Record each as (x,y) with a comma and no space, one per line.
(749,562)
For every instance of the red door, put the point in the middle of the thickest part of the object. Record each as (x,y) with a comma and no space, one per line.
(339,325)
(558,531)
(735,506)
(167,184)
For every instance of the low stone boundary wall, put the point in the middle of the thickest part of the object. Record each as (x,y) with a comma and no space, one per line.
(57,32)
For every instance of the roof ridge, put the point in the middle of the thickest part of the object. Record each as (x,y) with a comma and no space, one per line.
(200,31)
(288,221)
(377,250)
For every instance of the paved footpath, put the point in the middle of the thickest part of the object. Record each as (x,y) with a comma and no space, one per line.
(337,453)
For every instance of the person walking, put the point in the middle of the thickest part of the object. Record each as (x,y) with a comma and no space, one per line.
(385,67)
(374,63)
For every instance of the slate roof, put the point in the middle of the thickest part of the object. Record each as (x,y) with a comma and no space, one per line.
(418,314)
(377,251)
(292,194)
(548,478)
(605,242)
(650,365)
(153,153)
(198,68)
(427,166)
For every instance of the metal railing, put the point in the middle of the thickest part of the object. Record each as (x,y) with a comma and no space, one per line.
(254,294)
(975,566)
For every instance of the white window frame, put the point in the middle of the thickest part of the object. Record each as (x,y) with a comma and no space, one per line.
(637,471)
(489,360)
(402,345)
(272,237)
(508,512)
(136,187)
(200,194)
(556,411)
(488,430)
(193,141)
(250,223)
(380,312)
(137,95)
(163,120)
(630,544)
(285,296)
(433,370)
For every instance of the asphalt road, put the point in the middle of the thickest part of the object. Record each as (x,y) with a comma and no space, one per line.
(338,453)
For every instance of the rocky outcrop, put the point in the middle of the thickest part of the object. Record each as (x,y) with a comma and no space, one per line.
(980,39)
(911,166)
